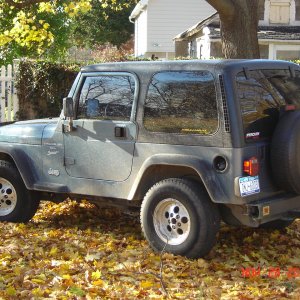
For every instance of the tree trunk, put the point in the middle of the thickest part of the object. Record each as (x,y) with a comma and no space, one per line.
(239,26)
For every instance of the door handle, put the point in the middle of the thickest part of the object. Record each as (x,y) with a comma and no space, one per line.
(120,131)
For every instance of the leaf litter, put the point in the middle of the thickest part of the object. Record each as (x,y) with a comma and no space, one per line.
(74,250)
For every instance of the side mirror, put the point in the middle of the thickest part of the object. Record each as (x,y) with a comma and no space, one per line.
(68,107)
(68,112)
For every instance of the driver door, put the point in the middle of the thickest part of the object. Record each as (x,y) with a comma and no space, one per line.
(102,144)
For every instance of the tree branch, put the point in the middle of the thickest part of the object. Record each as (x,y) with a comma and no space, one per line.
(158,276)
(225,8)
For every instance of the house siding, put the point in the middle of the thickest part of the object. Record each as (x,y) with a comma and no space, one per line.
(278,33)
(168,17)
(141,32)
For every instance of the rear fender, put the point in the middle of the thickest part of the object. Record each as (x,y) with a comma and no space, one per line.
(202,168)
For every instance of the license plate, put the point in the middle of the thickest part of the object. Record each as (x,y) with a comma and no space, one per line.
(249,185)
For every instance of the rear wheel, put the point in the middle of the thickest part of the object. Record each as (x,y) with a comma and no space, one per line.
(17,204)
(178,216)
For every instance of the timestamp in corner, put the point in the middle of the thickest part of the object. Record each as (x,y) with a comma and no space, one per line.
(290,272)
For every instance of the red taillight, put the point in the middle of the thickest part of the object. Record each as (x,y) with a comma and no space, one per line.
(251,166)
(290,107)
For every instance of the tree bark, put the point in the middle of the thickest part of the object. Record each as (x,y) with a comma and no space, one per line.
(239,26)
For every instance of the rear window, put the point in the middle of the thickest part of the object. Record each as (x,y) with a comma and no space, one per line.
(263,95)
(181,102)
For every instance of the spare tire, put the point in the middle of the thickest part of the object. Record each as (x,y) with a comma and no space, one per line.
(285,152)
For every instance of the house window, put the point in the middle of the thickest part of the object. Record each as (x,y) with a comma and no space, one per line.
(297,15)
(261,9)
(280,12)
(288,54)
(192,49)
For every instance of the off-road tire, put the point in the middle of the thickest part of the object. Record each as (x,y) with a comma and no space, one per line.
(189,199)
(285,147)
(25,203)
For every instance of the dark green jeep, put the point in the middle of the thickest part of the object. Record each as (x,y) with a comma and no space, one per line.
(188,143)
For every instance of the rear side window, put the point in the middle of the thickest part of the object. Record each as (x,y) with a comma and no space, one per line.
(181,102)
(262,97)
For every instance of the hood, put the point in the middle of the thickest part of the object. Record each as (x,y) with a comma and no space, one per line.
(25,132)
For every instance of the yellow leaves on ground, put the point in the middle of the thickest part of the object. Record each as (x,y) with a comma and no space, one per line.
(10,291)
(96,275)
(75,251)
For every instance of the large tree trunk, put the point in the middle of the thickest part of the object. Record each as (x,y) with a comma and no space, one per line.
(239,25)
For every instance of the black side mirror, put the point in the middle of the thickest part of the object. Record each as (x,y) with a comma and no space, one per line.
(68,110)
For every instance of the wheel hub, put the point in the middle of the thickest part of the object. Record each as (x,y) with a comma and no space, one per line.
(171,221)
(8,197)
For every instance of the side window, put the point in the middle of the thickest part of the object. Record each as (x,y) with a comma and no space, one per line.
(107,97)
(181,102)
(260,104)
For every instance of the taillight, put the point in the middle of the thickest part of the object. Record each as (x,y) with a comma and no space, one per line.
(290,107)
(251,166)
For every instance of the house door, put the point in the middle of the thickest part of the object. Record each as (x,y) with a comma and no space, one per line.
(102,144)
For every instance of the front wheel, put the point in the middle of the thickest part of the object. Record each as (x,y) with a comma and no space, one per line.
(178,216)
(17,204)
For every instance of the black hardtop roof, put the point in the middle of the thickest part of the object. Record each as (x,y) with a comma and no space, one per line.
(187,65)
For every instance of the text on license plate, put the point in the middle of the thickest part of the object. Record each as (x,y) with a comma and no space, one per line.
(249,185)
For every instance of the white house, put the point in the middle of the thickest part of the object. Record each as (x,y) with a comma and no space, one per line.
(278,34)
(158,21)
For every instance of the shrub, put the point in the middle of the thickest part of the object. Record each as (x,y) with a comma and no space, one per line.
(41,85)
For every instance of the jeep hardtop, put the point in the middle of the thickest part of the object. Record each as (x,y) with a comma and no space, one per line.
(185,143)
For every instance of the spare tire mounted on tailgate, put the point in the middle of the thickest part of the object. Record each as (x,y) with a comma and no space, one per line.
(285,152)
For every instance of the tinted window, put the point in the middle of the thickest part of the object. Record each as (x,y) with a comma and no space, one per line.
(262,97)
(107,97)
(181,102)
(288,87)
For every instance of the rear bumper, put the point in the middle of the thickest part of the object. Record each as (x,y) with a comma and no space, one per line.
(282,206)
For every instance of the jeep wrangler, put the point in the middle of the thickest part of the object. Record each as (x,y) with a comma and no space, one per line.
(185,143)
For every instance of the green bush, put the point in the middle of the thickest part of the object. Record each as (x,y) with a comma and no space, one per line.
(41,86)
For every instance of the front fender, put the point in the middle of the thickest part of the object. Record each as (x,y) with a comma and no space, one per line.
(23,163)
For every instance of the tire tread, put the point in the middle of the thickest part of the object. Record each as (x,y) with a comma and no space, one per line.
(200,200)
